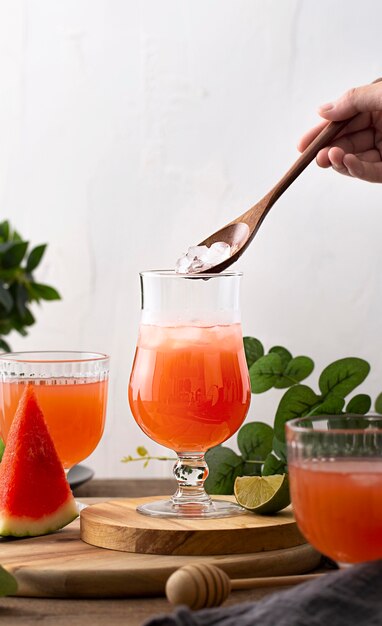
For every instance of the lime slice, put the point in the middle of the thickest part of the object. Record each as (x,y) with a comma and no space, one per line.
(263,494)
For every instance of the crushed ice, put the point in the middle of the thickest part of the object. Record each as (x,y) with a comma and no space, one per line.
(202,258)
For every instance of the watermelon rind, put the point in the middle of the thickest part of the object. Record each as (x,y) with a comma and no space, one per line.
(24,526)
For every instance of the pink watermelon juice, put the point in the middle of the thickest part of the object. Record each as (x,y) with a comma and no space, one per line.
(189,388)
(337,505)
(74,413)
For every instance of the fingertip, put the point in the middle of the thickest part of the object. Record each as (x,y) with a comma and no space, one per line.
(326,107)
(336,156)
(326,110)
(322,158)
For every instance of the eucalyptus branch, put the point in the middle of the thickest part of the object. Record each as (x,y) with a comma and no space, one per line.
(144,456)
(130,459)
(255,462)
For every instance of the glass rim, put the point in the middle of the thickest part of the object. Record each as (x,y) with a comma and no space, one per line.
(295,426)
(173,274)
(27,356)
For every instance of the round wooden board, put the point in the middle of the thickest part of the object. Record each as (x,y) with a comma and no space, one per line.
(118,526)
(60,565)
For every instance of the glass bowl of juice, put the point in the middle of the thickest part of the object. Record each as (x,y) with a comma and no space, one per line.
(71,389)
(335,468)
(189,387)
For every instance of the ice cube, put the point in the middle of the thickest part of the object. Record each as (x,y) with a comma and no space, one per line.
(182,264)
(203,257)
(223,249)
(218,253)
(197,252)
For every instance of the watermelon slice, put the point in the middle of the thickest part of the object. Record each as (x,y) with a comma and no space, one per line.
(35,497)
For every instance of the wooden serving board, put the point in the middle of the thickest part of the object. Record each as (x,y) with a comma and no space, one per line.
(60,565)
(118,526)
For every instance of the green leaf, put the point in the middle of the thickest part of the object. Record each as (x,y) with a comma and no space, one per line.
(8,584)
(4,346)
(2,448)
(8,276)
(35,257)
(6,325)
(264,372)
(16,236)
(33,294)
(141,451)
(15,254)
(273,465)
(378,404)
(283,353)
(45,292)
(20,329)
(296,402)
(332,405)
(280,449)
(255,441)
(28,318)
(6,299)
(5,246)
(253,349)
(359,404)
(224,466)
(296,370)
(21,299)
(342,376)
(4,230)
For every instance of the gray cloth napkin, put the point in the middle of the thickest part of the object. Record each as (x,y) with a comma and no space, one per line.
(340,598)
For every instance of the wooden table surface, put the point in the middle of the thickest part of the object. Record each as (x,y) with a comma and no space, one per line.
(126,612)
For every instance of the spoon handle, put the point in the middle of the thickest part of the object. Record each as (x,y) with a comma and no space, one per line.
(324,138)
(272,581)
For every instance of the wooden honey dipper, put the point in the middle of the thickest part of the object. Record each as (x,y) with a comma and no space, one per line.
(203,585)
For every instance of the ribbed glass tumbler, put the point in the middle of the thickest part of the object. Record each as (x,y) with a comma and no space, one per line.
(71,389)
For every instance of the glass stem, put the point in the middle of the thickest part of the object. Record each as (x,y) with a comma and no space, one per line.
(191,471)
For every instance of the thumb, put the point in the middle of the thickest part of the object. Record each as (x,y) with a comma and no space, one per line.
(367,98)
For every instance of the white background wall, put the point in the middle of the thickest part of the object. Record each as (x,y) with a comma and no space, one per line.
(131,129)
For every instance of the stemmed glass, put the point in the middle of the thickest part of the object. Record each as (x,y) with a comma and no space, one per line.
(71,389)
(335,466)
(189,387)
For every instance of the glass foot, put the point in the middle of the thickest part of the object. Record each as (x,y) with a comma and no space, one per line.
(215,508)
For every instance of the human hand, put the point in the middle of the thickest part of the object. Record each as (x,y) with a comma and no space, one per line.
(357,150)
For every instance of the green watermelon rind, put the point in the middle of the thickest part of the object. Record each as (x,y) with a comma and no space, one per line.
(25,526)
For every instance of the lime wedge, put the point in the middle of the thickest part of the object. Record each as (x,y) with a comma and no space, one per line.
(263,494)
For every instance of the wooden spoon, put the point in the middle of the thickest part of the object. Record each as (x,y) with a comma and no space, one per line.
(240,232)
(200,585)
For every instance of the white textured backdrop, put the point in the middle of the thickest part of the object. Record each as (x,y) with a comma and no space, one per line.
(131,129)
